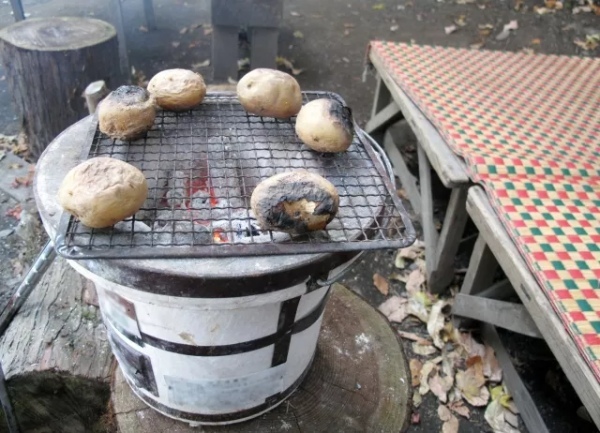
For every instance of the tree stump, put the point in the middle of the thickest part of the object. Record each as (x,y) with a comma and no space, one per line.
(358,382)
(49,62)
(56,357)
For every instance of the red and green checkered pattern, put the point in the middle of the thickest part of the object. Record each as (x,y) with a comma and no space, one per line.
(528,127)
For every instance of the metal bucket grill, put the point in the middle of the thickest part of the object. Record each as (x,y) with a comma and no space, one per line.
(202,166)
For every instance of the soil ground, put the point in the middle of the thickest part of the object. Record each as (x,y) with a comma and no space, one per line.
(328,40)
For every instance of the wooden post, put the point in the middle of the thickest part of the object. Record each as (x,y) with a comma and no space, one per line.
(48,64)
(94,93)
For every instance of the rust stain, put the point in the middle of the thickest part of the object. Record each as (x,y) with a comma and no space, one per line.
(185,336)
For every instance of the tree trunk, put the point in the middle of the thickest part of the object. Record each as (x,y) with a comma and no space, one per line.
(56,357)
(49,62)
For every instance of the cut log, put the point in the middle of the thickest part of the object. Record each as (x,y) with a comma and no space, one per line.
(56,357)
(359,382)
(49,62)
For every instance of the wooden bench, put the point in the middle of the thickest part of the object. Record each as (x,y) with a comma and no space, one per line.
(530,138)
(390,105)
(482,300)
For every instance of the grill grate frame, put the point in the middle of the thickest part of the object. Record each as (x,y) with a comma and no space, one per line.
(223,152)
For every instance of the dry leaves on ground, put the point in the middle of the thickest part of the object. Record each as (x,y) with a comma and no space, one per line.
(282,61)
(471,383)
(436,323)
(394,309)
(505,33)
(501,412)
(14,212)
(424,349)
(415,371)
(412,253)
(590,43)
(450,29)
(450,421)
(381,284)
(203,64)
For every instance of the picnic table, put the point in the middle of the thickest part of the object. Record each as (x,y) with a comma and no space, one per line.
(526,131)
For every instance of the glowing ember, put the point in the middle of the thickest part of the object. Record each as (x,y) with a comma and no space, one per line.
(219,236)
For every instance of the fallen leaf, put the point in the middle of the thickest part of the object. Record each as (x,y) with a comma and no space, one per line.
(231,80)
(195,26)
(553,4)
(346,59)
(518,5)
(418,309)
(394,309)
(423,349)
(294,14)
(450,426)
(485,26)
(394,27)
(282,61)
(440,386)
(505,33)
(415,371)
(175,44)
(444,413)
(436,323)
(381,284)
(399,262)
(495,415)
(298,34)
(426,370)
(536,41)
(476,46)
(398,277)
(378,6)
(349,25)
(450,29)
(471,384)
(459,408)
(471,347)
(415,418)
(542,10)
(415,251)
(491,368)
(414,337)
(461,21)
(203,64)
(346,32)
(580,9)
(17,267)
(415,281)
(143,29)
(14,166)
(14,212)
(591,42)
(416,399)
(464,2)
(183,31)
(208,29)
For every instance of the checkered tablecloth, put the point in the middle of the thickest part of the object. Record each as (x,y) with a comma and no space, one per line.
(528,127)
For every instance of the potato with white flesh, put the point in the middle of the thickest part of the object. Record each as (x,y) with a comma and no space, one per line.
(325,125)
(103,191)
(126,113)
(295,202)
(177,89)
(270,93)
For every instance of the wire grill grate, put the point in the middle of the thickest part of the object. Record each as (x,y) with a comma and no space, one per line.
(202,166)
